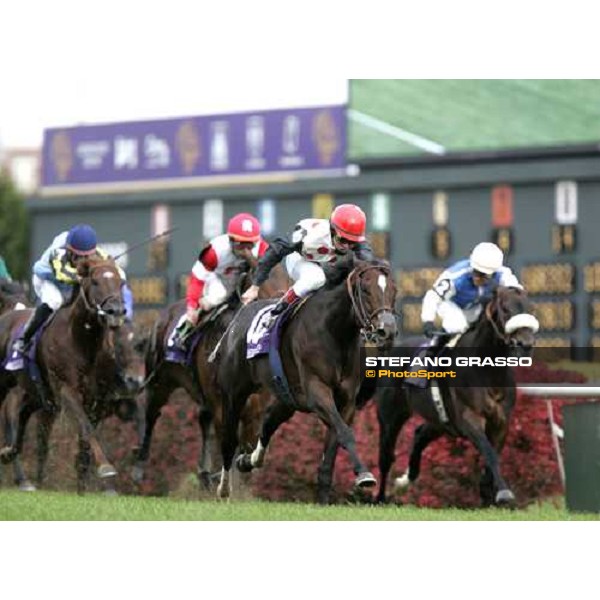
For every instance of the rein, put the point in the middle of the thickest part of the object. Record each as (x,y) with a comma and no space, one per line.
(355,292)
(488,315)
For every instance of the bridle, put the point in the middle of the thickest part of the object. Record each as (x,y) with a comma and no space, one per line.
(365,319)
(509,325)
(98,309)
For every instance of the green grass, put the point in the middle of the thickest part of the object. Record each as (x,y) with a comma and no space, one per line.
(52,506)
(475,114)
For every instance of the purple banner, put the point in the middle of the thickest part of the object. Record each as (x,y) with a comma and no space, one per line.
(237,144)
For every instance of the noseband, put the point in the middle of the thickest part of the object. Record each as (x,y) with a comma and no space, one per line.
(365,320)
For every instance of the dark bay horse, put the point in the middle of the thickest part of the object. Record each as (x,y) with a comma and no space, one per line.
(78,354)
(200,381)
(320,352)
(478,407)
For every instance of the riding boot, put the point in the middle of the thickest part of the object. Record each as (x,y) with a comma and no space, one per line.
(289,297)
(182,334)
(36,320)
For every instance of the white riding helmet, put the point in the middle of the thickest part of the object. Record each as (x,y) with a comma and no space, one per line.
(487,258)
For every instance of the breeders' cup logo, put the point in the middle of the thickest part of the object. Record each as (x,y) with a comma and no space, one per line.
(61,155)
(325,136)
(188,146)
(255,142)
(291,134)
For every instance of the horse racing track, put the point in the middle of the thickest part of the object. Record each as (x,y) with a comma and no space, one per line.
(51,506)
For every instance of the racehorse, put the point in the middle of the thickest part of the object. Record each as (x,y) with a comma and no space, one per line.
(164,377)
(478,405)
(78,355)
(13,296)
(320,352)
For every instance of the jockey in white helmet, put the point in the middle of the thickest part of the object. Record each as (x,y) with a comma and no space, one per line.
(460,291)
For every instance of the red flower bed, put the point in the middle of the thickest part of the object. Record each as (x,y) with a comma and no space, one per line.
(449,474)
(450,468)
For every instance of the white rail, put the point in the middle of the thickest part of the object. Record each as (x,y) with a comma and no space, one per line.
(560,391)
(550,392)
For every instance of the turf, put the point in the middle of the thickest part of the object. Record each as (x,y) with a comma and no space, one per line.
(53,506)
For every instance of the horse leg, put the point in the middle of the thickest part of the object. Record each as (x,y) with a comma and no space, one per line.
(229,442)
(46,420)
(496,430)
(424,435)
(392,414)
(327,468)
(276,414)
(321,397)
(15,399)
(25,409)
(140,421)
(205,419)
(83,461)
(477,436)
(74,403)
(156,396)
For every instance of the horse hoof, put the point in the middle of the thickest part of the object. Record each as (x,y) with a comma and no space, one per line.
(137,474)
(244,463)
(223,492)
(106,470)
(27,486)
(205,480)
(505,498)
(365,480)
(401,484)
(8,454)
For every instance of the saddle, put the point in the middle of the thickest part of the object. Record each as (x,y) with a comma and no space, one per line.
(264,337)
(175,353)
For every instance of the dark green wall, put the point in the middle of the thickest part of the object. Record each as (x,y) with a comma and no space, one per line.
(468,182)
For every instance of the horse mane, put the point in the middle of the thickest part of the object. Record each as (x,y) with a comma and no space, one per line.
(499,289)
(337,273)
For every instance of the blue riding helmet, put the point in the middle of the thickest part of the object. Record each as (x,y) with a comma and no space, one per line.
(82,240)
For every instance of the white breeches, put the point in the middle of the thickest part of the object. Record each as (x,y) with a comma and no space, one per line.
(48,292)
(455,319)
(215,291)
(308,276)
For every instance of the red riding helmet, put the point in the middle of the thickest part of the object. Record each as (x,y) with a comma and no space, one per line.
(244,228)
(349,222)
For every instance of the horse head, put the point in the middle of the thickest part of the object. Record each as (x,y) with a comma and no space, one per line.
(13,296)
(510,314)
(100,289)
(372,289)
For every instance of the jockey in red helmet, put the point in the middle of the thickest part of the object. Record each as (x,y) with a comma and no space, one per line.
(220,263)
(312,243)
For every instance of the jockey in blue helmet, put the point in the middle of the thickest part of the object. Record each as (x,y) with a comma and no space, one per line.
(55,274)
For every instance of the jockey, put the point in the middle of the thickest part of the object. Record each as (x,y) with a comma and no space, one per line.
(55,274)
(216,272)
(460,291)
(4,273)
(312,243)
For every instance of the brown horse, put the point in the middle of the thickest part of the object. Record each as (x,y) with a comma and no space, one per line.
(13,296)
(199,381)
(78,354)
(478,405)
(320,352)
